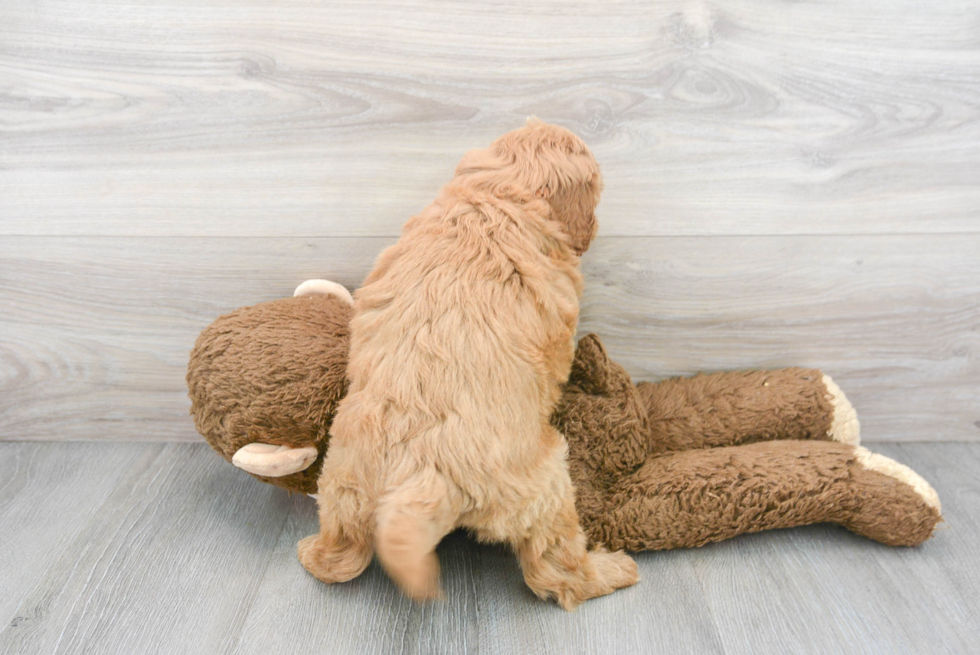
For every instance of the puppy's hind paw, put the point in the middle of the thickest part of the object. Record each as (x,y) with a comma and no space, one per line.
(330,564)
(614,570)
(610,571)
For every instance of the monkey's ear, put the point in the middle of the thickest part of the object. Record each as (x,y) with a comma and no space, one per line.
(592,370)
(324,287)
(273,461)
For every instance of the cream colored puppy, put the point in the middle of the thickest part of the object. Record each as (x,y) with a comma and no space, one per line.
(461,337)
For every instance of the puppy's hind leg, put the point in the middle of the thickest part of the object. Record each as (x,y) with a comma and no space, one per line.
(342,548)
(411,521)
(554,557)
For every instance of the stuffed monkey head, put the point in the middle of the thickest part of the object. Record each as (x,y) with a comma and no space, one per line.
(265,381)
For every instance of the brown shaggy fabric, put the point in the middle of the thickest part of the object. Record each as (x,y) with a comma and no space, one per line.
(272,373)
(728,409)
(885,509)
(694,497)
(674,464)
(658,466)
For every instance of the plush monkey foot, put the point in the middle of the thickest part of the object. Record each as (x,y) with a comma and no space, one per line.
(844,426)
(892,503)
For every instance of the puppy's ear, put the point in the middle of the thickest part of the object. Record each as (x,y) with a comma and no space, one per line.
(481,160)
(574,209)
(551,164)
(534,121)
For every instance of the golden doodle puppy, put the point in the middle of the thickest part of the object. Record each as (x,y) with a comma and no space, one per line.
(461,338)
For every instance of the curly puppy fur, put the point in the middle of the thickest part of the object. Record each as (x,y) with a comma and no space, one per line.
(461,338)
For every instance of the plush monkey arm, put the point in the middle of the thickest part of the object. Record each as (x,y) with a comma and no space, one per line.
(728,409)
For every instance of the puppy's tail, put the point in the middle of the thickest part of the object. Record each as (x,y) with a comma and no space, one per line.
(412,520)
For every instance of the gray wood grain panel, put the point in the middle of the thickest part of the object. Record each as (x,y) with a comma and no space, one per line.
(296,118)
(187,554)
(946,582)
(96,332)
(169,563)
(48,497)
(895,320)
(367,614)
(487,609)
(66,384)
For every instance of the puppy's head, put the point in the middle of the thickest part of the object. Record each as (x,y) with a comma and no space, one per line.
(550,163)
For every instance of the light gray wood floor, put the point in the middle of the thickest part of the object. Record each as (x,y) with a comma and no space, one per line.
(165,548)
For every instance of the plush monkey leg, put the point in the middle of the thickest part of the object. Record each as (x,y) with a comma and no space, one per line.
(694,497)
(728,409)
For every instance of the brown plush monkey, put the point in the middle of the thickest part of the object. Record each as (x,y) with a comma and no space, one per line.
(674,464)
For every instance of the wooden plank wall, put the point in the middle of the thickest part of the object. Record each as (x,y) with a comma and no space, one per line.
(786,183)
